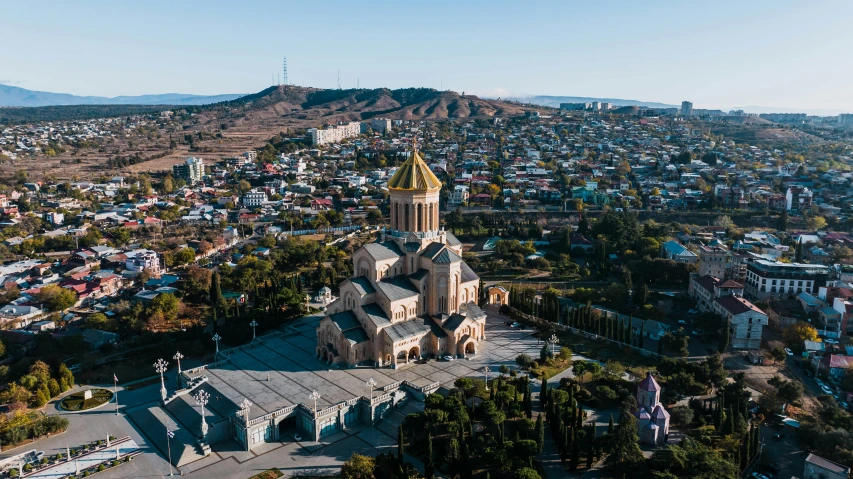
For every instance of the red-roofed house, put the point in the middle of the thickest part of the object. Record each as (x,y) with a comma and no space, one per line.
(725,298)
(835,365)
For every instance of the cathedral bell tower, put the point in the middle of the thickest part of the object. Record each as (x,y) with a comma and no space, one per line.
(414,191)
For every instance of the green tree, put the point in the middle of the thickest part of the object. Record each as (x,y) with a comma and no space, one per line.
(625,451)
(358,467)
(56,298)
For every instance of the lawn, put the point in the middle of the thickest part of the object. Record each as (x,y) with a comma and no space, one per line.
(75,402)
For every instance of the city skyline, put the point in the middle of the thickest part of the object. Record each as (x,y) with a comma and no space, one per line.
(723,56)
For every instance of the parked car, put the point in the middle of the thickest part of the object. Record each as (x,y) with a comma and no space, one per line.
(692,311)
(515,325)
(296,437)
(696,332)
(843,404)
(826,389)
(789,352)
(681,321)
(830,341)
(447,358)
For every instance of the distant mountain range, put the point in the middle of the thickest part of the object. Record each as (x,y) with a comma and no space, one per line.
(554,101)
(21,97)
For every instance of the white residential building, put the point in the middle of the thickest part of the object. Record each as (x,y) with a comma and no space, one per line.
(192,170)
(335,134)
(254,198)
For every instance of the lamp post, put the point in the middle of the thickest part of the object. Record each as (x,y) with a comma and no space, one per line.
(160,367)
(371,383)
(244,409)
(253,324)
(486,372)
(201,399)
(216,339)
(554,341)
(177,357)
(315,396)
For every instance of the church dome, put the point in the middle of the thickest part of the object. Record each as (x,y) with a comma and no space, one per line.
(414,174)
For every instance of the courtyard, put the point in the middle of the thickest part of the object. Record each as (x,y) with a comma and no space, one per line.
(294,372)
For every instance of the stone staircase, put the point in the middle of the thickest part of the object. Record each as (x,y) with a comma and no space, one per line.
(194,383)
(155,420)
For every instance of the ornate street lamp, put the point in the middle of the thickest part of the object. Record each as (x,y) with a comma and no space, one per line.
(244,409)
(371,384)
(315,396)
(554,341)
(216,339)
(177,357)
(201,399)
(160,366)
(253,324)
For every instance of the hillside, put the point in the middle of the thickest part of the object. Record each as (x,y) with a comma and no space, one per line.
(21,97)
(231,127)
(554,101)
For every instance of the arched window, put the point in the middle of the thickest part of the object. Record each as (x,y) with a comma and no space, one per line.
(420,220)
(430,217)
(406,216)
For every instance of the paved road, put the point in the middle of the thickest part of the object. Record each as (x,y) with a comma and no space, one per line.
(95,458)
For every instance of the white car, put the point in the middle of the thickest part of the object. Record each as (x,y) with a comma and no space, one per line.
(692,311)
(296,437)
(681,321)
(826,389)
(830,341)
(448,358)
(789,352)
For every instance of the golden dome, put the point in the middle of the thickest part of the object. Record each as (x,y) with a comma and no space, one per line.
(414,174)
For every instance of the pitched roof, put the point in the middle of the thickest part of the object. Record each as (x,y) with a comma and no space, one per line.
(408,329)
(414,174)
(468,274)
(362,285)
(376,315)
(648,383)
(381,251)
(737,305)
(397,287)
(827,464)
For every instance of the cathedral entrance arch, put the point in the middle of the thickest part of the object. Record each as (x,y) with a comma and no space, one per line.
(402,357)
(470,348)
(415,353)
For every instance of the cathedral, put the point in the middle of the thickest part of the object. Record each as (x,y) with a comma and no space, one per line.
(411,295)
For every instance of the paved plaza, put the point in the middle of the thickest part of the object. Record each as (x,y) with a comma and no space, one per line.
(92,459)
(284,370)
(294,373)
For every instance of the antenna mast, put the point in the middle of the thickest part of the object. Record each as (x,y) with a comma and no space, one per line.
(339,79)
(285,71)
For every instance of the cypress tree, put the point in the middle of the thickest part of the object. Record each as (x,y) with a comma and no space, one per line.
(400,439)
(429,466)
(610,425)
(579,423)
(575,455)
(543,394)
(540,432)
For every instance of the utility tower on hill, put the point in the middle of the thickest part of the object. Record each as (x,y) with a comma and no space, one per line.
(285,71)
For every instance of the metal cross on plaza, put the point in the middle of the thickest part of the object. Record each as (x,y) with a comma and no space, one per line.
(371,384)
(554,340)
(160,366)
(177,357)
(315,396)
(253,324)
(244,408)
(216,339)
(201,399)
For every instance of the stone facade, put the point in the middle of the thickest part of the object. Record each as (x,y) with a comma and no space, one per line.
(652,418)
(412,296)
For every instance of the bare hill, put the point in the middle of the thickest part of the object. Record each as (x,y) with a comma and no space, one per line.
(228,128)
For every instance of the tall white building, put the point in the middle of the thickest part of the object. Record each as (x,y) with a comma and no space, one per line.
(191,170)
(335,134)
(254,198)
(686,108)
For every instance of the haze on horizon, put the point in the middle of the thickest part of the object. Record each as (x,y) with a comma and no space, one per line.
(773,53)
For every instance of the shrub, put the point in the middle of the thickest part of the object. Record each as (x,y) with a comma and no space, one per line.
(605,393)
(101,467)
(116,463)
(681,415)
(524,360)
(13,473)
(86,473)
(28,467)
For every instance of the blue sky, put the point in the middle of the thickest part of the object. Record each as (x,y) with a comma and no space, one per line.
(719,54)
